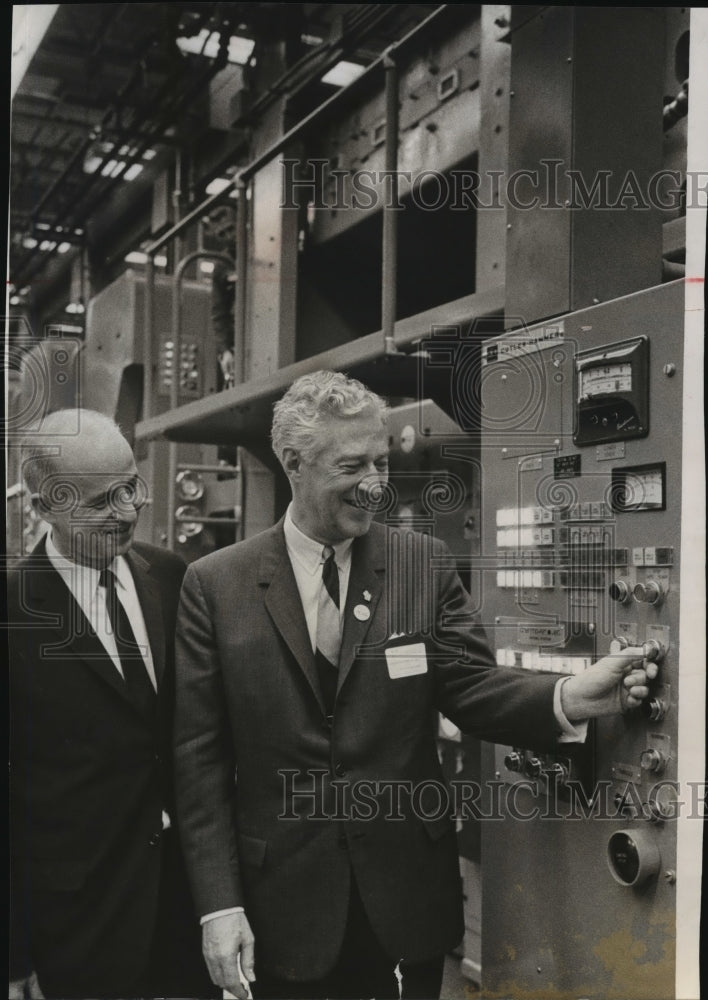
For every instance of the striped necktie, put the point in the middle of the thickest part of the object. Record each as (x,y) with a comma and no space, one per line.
(328,639)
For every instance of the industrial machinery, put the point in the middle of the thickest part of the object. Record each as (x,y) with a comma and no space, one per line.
(488,226)
(582,555)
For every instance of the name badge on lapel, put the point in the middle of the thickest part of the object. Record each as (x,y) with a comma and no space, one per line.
(406,661)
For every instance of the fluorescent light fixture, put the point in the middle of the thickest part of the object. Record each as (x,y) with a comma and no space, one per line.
(206,43)
(29,243)
(15,300)
(75,308)
(42,225)
(311,40)
(217,185)
(207,266)
(343,73)
(132,172)
(64,247)
(240,49)
(47,245)
(138,257)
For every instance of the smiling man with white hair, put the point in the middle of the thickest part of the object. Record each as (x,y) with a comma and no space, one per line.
(311,660)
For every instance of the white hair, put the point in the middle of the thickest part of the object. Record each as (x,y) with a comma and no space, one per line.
(312,399)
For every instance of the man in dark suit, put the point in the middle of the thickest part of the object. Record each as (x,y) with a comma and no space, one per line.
(311,661)
(100,902)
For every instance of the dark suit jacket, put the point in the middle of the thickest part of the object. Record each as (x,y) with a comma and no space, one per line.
(89,775)
(251,727)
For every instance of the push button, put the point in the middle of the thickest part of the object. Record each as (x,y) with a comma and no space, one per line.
(155,839)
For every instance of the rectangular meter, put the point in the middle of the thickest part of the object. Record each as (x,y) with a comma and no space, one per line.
(612,392)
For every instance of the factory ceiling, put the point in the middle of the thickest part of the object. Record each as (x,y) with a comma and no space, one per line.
(115,92)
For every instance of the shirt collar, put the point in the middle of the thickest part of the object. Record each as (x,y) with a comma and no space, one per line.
(72,571)
(307,551)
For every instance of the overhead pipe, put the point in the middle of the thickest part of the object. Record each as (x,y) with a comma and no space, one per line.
(240,311)
(389,242)
(148,360)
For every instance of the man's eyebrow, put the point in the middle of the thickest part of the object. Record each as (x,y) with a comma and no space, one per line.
(363,457)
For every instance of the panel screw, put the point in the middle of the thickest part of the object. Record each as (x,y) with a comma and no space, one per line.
(669,370)
(669,876)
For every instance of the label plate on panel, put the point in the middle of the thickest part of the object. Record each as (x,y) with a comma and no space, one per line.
(541,635)
(626,772)
(608,452)
(566,467)
(516,345)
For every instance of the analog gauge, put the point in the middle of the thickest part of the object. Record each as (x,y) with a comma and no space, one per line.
(604,381)
(642,487)
(612,392)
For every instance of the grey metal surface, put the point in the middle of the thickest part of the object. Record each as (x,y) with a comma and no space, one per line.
(555,922)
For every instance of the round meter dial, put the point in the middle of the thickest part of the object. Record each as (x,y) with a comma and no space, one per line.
(632,856)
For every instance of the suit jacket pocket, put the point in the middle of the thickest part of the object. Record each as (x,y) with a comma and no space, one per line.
(59,874)
(252,850)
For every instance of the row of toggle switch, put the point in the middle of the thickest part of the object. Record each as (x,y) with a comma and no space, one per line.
(533,767)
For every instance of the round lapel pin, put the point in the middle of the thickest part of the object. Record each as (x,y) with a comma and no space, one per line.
(361,612)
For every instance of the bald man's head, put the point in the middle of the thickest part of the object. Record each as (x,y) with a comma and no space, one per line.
(83,480)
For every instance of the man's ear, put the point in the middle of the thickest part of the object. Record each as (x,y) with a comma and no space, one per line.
(292,462)
(39,506)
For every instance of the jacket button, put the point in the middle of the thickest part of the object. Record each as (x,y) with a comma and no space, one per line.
(328,722)
(339,769)
(154,840)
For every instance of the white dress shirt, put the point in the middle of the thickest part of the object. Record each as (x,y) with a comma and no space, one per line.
(306,559)
(82,581)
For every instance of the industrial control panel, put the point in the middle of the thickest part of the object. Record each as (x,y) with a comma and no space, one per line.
(581,501)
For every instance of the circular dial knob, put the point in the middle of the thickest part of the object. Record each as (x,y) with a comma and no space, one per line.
(534,767)
(654,709)
(653,650)
(559,772)
(663,802)
(619,591)
(652,760)
(650,592)
(513,761)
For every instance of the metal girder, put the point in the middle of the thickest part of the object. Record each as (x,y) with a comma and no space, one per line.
(242,415)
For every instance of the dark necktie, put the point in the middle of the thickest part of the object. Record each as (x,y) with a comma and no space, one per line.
(328,636)
(134,670)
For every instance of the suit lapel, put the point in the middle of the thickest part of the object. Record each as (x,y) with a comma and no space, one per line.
(282,601)
(75,637)
(149,598)
(366,577)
